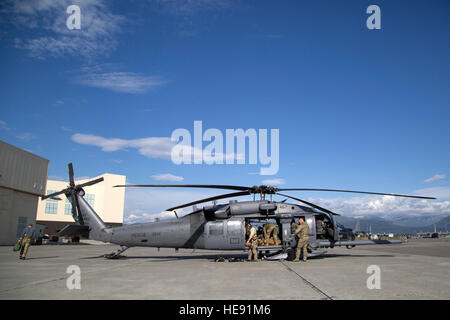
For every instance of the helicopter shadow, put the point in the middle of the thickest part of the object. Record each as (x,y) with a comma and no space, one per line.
(334,255)
(211,257)
(39,258)
(120,258)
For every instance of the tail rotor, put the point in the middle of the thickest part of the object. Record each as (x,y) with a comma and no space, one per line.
(70,192)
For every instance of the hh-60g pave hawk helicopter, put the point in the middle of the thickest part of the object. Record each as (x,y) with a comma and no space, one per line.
(217,226)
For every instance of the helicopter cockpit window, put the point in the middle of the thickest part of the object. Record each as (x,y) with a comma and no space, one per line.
(216,229)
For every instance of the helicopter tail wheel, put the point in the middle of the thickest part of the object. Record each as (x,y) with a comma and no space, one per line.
(116,255)
(349,246)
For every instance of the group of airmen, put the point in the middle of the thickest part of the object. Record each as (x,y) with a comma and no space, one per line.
(301,230)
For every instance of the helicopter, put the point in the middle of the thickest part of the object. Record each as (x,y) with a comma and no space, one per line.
(217,226)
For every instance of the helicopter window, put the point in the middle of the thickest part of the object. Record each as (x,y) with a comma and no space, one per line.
(311,224)
(216,229)
(234,228)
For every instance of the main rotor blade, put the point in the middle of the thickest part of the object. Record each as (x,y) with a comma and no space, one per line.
(51,195)
(364,192)
(90,183)
(209,186)
(72,181)
(223,196)
(310,204)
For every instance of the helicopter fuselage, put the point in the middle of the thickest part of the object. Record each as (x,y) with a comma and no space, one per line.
(219,227)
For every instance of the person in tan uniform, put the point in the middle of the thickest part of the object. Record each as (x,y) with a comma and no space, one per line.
(252,242)
(28,235)
(270,230)
(302,232)
(294,226)
(327,229)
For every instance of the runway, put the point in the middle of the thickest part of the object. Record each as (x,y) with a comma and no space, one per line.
(419,269)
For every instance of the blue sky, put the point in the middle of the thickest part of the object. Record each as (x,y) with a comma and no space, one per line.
(356,108)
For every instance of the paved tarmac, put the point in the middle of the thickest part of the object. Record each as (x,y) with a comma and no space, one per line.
(416,270)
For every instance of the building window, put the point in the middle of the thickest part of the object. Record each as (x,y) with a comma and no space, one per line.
(51,206)
(68,207)
(90,198)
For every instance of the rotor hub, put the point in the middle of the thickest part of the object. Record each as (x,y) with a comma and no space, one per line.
(263,189)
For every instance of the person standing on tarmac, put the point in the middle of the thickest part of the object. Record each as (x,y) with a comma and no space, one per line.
(28,235)
(252,242)
(302,232)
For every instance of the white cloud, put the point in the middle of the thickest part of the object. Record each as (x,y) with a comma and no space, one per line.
(435,178)
(384,206)
(273,182)
(26,136)
(167,177)
(151,147)
(49,34)
(127,82)
(66,129)
(3,125)
(437,192)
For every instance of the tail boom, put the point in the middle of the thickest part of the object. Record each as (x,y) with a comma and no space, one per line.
(97,228)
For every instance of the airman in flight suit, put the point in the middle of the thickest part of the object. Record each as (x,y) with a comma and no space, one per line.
(302,232)
(328,229)
(270,229)
(252,242)
(28,235)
